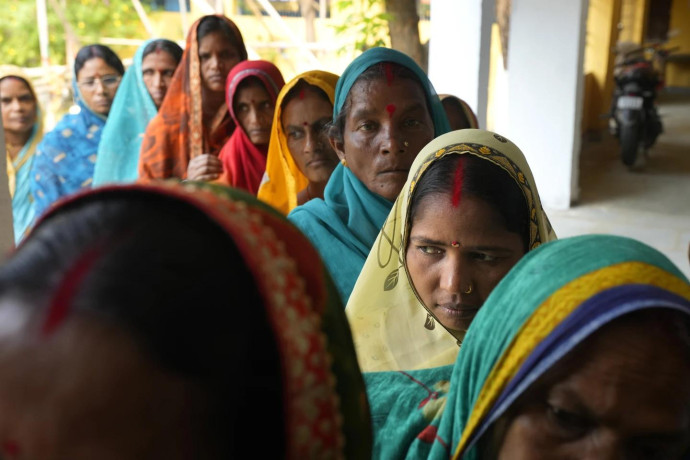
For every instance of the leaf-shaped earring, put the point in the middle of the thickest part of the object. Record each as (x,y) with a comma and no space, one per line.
(429,323)
(391,280)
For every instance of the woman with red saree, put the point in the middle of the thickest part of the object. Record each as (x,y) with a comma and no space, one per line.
(251,91)
(193,118)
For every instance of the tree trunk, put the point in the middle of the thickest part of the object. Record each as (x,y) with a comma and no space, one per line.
(309,14)
(403,27)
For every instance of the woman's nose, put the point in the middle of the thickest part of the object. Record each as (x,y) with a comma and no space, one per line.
(452,275)
(389,139)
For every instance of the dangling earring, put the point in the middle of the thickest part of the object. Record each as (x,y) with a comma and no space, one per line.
(429,323)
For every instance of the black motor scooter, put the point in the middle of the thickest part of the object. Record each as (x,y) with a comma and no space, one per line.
(635,120)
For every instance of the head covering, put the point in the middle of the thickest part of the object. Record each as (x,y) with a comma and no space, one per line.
(554,299)
(377,55)
(466,109)
(177,133)
(325,407)
(132,109)
(243,162)
(392,328)
(19,169)
(344,225)
(66,156)
(283,179)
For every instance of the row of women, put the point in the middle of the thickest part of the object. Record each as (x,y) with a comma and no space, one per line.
(193,320)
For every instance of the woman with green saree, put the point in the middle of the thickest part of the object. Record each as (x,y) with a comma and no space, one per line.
(178,322)
(582,351)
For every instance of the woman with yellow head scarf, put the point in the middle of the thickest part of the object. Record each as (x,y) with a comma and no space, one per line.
(300,159)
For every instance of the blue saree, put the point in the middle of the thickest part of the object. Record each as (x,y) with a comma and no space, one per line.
(132,109)
(65,158)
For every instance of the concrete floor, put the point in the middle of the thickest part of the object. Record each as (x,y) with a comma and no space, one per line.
(652,205)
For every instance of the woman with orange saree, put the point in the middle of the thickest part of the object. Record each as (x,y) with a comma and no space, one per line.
(193,118)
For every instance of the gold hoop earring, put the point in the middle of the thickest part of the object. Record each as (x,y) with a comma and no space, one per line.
(469,289)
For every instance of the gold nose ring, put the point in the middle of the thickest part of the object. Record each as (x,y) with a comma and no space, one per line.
(469,289)
(406,144)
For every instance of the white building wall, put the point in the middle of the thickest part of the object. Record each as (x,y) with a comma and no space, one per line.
(545,89)
(459,50)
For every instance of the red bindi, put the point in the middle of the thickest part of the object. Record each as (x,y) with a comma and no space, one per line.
(388,69)
(457,184)
(305,123)
(390,108)
(301,94)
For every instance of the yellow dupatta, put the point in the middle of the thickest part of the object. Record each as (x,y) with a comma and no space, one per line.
(283,179)
(392,328)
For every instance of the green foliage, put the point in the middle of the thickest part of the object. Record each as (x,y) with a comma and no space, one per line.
(366,21)
(90,20)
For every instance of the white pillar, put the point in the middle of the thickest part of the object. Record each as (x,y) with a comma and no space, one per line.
(545,90)
(42,23)
(460,48)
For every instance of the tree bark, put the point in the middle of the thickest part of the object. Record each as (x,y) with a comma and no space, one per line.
(309,14)
(403,28)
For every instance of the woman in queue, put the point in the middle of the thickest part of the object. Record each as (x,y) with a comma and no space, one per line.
(95,362)
(138,99)
(193,118)
(66,156)
(459,113)
(22,122)
(300,158)
(572,356)
(385,111)
(469,211)
(251,91)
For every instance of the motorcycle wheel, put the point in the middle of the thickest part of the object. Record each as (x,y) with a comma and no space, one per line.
(630,141)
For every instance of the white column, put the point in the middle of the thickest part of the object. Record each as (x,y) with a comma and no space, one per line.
(545,90)
(459,50)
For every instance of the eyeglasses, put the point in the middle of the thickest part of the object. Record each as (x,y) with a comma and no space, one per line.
(108,81)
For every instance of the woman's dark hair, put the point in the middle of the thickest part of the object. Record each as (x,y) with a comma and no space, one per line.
(377,71)
(177,284)
(452,104)
(162,44)
(480,179)
(215,24)
(98,51)
(300,88)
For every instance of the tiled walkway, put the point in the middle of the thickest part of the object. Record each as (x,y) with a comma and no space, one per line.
(653,205)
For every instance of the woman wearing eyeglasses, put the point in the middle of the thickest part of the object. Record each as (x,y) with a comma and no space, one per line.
(66,156)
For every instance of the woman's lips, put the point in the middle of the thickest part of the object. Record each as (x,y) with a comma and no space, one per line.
(459,311)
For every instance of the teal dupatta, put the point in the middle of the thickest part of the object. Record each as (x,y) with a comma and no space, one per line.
(132,109)
(343,226)
(23,211)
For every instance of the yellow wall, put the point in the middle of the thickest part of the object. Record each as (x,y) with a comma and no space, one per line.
(633,19)
(678,73)
(602,34)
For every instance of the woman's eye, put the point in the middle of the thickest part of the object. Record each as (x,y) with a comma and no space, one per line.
(412,122)
(484,257)
(366,126)
(430,250)
(267,106)
(295,134)
(568,423)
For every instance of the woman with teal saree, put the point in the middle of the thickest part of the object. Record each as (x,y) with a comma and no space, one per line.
(385,111)
(563,310)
